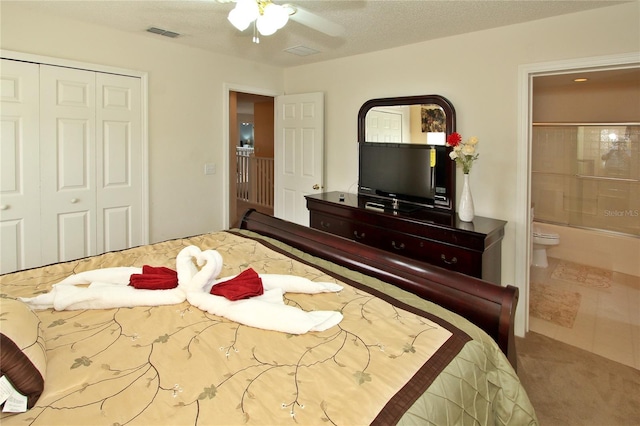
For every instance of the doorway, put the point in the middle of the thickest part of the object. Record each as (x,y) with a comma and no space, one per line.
(251,154)
(596,298)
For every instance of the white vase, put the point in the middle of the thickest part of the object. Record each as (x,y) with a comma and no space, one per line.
(465,208)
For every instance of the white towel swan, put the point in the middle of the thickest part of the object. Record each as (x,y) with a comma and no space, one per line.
(288,284)
(109,287)
(268,311)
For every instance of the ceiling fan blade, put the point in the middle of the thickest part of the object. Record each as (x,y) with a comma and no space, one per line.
(318,23)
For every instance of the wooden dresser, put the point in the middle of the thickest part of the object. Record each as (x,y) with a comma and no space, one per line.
(439,238)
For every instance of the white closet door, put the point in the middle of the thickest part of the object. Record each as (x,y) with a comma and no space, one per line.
(67,152)
(19,167)
(119,160)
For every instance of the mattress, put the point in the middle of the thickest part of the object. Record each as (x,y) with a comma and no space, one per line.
(394,358)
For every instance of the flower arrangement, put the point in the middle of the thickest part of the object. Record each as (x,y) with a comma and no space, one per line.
(463,153)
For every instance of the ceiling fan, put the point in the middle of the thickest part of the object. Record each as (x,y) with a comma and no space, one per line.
(268,17)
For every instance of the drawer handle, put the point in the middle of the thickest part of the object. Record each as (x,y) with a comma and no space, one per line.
(325,224)
(359,236)
(396,246)
(453,260)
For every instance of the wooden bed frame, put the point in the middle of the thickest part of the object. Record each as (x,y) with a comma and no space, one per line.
(489,306)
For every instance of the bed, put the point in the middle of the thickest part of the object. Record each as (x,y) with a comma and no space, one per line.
(405,351)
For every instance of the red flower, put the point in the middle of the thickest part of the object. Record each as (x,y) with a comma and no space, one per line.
(454,139)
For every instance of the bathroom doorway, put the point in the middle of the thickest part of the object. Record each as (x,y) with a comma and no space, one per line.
(588,294)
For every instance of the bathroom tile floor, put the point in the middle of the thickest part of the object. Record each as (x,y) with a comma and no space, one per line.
(608,320)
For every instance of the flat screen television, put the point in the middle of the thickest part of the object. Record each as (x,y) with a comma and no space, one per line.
(405,172)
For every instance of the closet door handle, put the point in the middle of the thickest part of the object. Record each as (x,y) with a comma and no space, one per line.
(453,260)
(74,200)
(4,207)
(396,246)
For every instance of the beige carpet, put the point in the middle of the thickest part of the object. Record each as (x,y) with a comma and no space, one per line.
(587,276)
(569,386)
(553,305)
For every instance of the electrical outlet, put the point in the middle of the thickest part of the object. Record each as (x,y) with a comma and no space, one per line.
(210,169)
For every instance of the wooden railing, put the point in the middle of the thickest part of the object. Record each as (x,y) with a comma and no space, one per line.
(254,178)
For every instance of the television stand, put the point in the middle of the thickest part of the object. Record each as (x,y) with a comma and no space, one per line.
(433,236)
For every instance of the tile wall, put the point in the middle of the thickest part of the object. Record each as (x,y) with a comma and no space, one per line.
(587,176)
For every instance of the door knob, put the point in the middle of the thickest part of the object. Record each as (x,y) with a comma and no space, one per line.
(316,186)
(74,200)
(4,207)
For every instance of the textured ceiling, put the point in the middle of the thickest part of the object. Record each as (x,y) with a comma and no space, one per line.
(367,25)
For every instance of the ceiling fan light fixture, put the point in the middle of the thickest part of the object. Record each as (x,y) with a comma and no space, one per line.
(265,26)
(276,14)
(268,17)
(238,20)
(245,12)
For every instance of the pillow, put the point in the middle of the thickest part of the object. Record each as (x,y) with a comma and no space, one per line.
(22,349)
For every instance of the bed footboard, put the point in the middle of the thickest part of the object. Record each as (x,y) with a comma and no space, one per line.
(489,306)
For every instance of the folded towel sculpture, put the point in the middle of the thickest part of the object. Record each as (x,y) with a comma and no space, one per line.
(107,288)
(248,298)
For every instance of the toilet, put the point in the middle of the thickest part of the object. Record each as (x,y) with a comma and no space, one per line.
(541,241)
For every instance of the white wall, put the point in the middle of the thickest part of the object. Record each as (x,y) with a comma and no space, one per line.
(185,107)
(478,73)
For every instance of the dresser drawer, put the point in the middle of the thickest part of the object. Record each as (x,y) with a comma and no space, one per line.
(443,255)
(452,258)
(356,231)
(332,224)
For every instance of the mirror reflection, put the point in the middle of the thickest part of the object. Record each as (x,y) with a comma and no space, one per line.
(420,124)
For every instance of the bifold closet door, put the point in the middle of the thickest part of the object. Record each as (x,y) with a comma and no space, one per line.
(119,162)
(68,163)
(91,171)
(19,166)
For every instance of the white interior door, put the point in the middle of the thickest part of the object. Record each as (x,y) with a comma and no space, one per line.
(119,177)
(298,153)
(19,166)
(68,171)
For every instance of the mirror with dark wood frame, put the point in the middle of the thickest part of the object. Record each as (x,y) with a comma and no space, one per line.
(410,131)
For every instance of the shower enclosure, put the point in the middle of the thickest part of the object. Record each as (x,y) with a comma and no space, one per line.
(587,175)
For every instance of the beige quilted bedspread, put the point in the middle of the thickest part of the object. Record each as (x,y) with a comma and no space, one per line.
(178,365)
